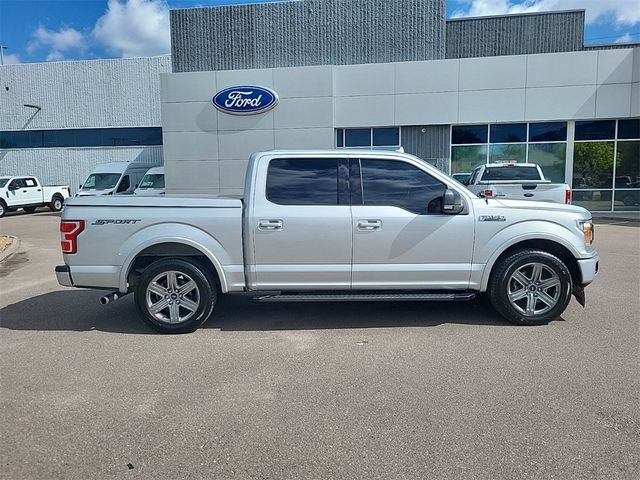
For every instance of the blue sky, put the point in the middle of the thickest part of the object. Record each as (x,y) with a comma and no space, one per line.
(54,30)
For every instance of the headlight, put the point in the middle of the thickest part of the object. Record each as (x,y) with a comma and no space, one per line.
(586,227)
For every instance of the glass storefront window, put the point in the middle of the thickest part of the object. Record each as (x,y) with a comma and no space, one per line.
(551,157)
(508,133)
(629,129)
(593,165)
(548,132)
(515,153)
(596,130)
(386,137)
(627,200)
(594,200)
(465,158)
(467,134)
(357,137)
(339,138)
(628,165)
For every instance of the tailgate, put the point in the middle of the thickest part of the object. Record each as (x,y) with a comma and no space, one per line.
(540,192)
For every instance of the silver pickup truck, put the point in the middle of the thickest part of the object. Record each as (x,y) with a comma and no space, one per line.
(329,225)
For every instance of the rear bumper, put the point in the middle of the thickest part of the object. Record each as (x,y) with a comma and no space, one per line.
(63,274)
(588,269)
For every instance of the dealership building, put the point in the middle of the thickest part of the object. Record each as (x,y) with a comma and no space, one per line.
(345,73)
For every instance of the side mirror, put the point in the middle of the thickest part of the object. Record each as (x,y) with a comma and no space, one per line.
(12,187)
(452,202)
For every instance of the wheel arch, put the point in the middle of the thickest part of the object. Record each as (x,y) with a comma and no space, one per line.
(210,255)
(554,246)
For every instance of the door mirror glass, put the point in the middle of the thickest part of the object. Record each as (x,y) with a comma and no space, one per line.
(452,202)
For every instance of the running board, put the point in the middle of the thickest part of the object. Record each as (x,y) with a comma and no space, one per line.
(366,297)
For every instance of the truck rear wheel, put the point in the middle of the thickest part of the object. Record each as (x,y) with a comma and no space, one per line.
(530,287)
(56,203)
(174,296)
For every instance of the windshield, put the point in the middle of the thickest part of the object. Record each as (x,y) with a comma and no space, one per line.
(101,181)
(3,181)
(153,180)
(511,173)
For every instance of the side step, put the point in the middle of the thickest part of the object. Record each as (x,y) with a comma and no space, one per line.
(367,297)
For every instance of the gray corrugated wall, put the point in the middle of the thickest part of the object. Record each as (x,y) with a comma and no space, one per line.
(515,34)
(432,144)
(307,32)
(70,166)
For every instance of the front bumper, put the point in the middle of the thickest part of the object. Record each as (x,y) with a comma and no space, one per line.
(588,269)
(63,274)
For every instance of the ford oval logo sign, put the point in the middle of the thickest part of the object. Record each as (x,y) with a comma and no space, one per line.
(245,100)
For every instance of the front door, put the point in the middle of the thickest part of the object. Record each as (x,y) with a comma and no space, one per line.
(301,225)
(401,238)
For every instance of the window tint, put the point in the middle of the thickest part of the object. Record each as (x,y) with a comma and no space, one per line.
(508,133)
(81,137)
(124,184)
(357,137)
(548,132)
(398,184)
(386,137)
(304,181)
(596,130)
(152,180)
(511,173)
(461,134)
(629,129)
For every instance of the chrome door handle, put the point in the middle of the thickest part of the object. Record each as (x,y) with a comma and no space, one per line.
(269,225)
(369,225)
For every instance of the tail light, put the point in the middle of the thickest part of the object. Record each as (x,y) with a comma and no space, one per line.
(69,190)
(567,196)
(69,230)
(488,193)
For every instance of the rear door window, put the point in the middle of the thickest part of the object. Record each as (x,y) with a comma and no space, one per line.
(303,181)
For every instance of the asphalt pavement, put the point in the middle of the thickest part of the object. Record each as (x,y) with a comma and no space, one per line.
(310,391)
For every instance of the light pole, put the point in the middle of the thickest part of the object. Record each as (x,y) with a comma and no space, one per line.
(2,47)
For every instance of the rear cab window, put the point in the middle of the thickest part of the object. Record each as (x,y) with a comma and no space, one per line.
(511,173)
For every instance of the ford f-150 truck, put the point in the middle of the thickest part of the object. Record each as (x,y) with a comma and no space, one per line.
(329,225)
(27,193)
(517,181)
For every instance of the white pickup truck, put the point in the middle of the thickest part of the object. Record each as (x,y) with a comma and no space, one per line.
(27,193)
(517,181)
(329,225)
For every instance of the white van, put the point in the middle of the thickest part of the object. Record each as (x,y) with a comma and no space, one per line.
(120,178)
(152,183)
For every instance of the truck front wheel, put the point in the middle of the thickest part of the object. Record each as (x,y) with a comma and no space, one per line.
(530,287)
(3,209)
(174,296)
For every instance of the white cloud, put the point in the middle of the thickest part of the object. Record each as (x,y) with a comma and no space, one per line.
(626,38)
(10,59)
(64,40)
(623,12)
(135,28)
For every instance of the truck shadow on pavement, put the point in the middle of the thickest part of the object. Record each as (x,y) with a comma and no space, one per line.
(79,310)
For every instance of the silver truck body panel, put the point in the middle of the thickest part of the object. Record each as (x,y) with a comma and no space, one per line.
(258,245)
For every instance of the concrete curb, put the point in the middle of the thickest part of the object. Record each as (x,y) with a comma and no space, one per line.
(13,248)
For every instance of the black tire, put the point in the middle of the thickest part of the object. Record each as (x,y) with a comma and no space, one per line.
(29,209)
(205,295)
(56,203)
(3,208)
(502,282)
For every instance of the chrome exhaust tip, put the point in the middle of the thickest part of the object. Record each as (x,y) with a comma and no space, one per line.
(111,297)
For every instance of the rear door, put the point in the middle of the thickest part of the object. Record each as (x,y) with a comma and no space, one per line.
(301,224)
(34,191)
(401,238)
